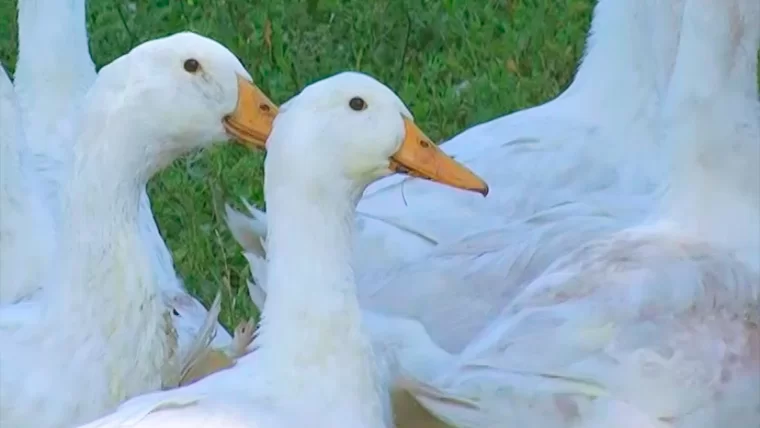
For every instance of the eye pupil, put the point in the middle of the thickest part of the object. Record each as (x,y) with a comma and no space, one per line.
(357,104)
(191,65)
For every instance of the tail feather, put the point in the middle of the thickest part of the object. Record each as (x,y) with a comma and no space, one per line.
(211,360)
(244,334)
(257,287)
(258,265)
(257,293)
(249,232)
(203,360)
(200,347)
(488,396)
(447,407)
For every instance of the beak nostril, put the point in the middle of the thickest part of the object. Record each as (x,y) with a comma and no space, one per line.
(264,108)
(424,144)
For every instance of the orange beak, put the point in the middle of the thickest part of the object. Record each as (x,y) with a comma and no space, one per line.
(420,157)
(251,122)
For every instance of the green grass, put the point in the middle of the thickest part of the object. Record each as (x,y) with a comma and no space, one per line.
(456,63)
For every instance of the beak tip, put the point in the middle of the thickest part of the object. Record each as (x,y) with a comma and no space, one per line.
(483,190)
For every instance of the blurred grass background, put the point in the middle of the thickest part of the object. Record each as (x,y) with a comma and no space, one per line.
(456,63)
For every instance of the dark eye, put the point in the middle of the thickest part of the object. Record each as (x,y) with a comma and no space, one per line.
(174,311)
(191,65)
(357,104)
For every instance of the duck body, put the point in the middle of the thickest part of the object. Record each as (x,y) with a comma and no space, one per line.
(606,326)
(655,325)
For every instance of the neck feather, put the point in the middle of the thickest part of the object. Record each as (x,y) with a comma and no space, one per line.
(629,56)
(620,83)
(27,235)
(713,120)
(52,84)
(108,288)
(311,336)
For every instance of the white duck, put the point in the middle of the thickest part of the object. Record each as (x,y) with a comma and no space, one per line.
(101,333)
(563,173)
(656,326)
(53,74)
(313,365)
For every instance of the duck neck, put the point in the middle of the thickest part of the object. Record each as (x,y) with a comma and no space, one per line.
(620,83)
(629,55)
(12,177)
(109,290)
(52,82)
(713,118)
(27,234)
(311,336)
(11,173)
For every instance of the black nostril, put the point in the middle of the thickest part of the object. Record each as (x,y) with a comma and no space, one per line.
(264,107)
(424,144)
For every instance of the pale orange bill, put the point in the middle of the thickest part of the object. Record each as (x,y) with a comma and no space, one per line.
(251,122)
(420,157)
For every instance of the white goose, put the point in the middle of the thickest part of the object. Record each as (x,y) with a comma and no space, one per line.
(101,333)
(657,326)
(313,366)
(562,173)
(53,74)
